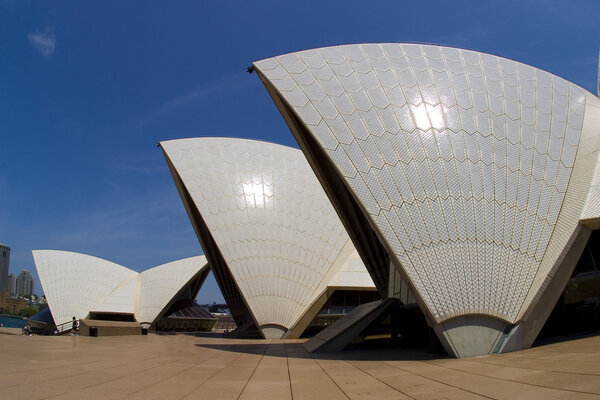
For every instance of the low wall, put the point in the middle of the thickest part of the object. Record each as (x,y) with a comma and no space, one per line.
(108,328)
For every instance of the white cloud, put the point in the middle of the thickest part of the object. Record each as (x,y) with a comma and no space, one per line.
(43,41)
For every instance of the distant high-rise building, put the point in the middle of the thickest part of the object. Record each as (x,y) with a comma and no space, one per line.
(11,283)
(4,259)
(24,284)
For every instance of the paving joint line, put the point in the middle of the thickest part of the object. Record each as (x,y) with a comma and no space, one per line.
(374,377)
(170,376)
(210,377)
(83,373)
(253,371)
(443,383)
(540,370)
(287,361)
(329,376)
(101,383)
(517,381)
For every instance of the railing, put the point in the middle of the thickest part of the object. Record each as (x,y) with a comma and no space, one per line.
(66,327)
(337,310)
(223,325)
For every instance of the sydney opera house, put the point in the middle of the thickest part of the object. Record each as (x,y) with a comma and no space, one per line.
(111,298)
(462,185)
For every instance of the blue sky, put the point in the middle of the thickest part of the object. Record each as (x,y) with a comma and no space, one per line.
(87,90)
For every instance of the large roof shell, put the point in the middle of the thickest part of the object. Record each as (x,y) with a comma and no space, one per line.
(469,167)
(271,220)
(75,284)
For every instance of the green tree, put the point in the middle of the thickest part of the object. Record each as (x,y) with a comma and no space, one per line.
(28,312)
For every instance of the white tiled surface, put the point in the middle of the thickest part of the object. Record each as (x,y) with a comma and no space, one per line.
(75,284)
(352,274)
(160,284)
(461,159)
(592,206)
(574,208)
(271,219)
(121,299)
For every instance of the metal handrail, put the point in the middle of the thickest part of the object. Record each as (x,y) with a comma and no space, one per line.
(65,327)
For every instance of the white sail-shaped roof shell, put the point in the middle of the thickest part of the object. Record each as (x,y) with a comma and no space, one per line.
(271,220)
(160,284)
(76,284)
(472,169)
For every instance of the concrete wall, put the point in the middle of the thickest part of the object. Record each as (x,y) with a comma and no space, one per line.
(109,328)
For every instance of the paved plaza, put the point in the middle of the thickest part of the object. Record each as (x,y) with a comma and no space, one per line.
(189,367)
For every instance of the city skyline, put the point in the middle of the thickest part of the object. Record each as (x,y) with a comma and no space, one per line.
(24,284)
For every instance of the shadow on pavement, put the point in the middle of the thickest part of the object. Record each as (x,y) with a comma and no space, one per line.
(296,350)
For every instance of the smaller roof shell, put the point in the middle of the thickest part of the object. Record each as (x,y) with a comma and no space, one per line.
(76,284)
(281,238)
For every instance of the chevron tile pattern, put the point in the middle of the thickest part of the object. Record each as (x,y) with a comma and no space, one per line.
(268,214)
(460,159)
(160,284)
(75,284)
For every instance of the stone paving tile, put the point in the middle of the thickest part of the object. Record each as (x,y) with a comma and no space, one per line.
(356,384)
(128,383)
(496,388)
(184,383)
(566,381)
(574,366)
(228,383)
(558,380)
(495,371)
(308,380)
(271,379)
(188,367)
(415,386)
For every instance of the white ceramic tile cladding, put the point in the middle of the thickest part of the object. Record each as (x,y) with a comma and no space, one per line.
(592,206)
(461,159)
(75,284)
(270,218)
(159,285)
